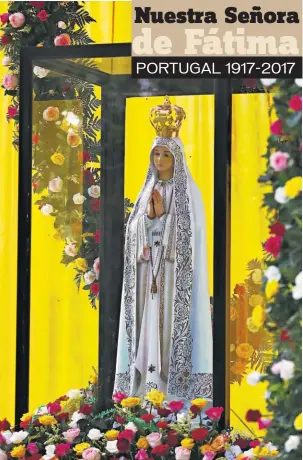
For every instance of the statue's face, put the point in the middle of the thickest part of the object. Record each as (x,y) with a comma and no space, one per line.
(163,159)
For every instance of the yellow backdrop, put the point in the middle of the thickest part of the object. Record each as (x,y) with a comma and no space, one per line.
(64,345)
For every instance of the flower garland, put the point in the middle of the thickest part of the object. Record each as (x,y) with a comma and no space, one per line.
(282,282)
(62,165)
(134,428)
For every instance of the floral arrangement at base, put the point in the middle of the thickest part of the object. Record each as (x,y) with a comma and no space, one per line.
(70,428)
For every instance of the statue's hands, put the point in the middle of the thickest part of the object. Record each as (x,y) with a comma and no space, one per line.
(158,203)
(150,209)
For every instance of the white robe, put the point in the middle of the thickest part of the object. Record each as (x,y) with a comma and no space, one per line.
(167,346)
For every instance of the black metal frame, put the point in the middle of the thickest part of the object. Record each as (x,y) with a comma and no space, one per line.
(112,218)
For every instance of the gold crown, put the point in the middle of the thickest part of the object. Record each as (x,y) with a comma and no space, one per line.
(167,119)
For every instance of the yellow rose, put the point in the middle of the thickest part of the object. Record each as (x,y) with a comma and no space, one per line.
(206,448)
(73,139)
(256,299)
(257,276)
(63,404)
(188,443)
(47,420)
(298,422)
(18,451)
(130,402)
(112,435)
(79,448)
(238,368)
(251,326)
(156,397)
(199,402)
(258,316)
(218,443)
(293,187)
(142,443)
(271,288)
(58,159)
(244,350)
(26,417)
(81,264)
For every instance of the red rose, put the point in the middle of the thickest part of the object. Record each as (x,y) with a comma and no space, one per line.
(4,425)
(53,408)
(162,425)
(214,413)
(172,438)
(88,177)
(176,406)
(126,434)
(37,4)
(284,336)
(199,434)
(35,457)
(295,103)
(161,450)
(12,111)
(195,410)
(97,236)
(163,412)
(254,443)
(242,443)
(147,418)
(4,17)
(94,288)
(123,445)
(42,15)
(277,128)
(63,416)
(6,39)
(277,229)
(253,415)
(86,409)
(95,204)
(62,449)
(120,419)
(273,245)
(25,424)
(36,423)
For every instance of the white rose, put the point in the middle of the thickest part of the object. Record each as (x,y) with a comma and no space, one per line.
(268,81)
(292,443)
(253,378)
(297,290)
(250,454)
(75,419)
(78,198)
(71,250)
(94,191)
(298,82)
(55,185)
(97,267)
(236,450)
(47,209)
(3,455)
(273,273)
(50,452)
(6,61)
(181,418)
(94,434)
(287,369)
(131,426)
(280,196)
(7,435)
(111,447)
(18,437)
(73,394)
(62,25)
(40,72)
(41,411)
(89,277)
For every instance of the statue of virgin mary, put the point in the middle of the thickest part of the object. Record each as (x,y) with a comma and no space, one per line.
(165,333)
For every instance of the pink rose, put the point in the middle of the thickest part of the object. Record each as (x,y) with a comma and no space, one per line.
(71,434)
(91,454)
(154,439)
(175,406)
(3,455)
(4,17)
(277,128)
(32,448)
(97,268)
(119,396)
(279,161)
(264,423)
(141,455)
(10,81)
(295,103)
(17,20)
(62,449)
(208,455)
(182,453)
(62,40)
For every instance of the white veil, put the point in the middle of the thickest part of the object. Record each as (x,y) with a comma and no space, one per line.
(191,357)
